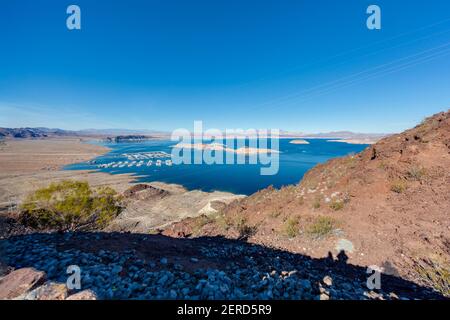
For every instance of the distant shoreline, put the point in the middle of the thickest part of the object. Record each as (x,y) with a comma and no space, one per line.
(355,141)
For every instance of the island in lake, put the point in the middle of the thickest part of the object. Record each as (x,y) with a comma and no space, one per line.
(222,147)
(299,141)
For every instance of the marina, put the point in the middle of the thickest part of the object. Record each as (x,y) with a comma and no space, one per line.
(147,155)
(156,158)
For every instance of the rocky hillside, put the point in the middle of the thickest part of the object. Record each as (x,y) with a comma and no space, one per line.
(139,266)
(388,206)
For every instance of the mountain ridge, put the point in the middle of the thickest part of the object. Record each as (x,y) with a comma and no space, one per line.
(388,206)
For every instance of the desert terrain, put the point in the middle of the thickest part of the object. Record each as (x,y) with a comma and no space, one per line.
(387,206)
(27,165)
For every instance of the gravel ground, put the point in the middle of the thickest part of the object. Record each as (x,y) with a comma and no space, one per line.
(133,266)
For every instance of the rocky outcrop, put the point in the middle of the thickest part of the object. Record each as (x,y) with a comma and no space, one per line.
(144,192)
(30,284)
(83,295)
(19,282)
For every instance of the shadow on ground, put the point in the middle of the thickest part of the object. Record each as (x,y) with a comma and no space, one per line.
(139,266)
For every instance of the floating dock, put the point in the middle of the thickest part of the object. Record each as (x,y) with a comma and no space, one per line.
(157,158)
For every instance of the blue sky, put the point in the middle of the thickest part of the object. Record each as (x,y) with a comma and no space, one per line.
(304,65)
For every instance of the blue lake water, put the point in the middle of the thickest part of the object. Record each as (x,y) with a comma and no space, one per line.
(294,161)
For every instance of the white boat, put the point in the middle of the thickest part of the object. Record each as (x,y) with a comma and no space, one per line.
(132,164)
(169,163)
(158,163)
(123,164)
(149,163)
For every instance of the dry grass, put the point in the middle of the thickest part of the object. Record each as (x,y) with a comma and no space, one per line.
(337,205)
(399,186)
(200,222)
(435,275)
(416,173)
(321,227)
(291,227)
(275,214)
(317,201)
(244,229)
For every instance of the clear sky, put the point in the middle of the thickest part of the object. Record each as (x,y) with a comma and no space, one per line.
(304,65)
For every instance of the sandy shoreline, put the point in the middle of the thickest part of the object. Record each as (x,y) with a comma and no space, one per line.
(31,156)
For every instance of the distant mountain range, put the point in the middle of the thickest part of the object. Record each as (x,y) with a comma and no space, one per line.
(40,132)
(24,133)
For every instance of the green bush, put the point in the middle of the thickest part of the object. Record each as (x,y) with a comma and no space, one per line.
(70,205)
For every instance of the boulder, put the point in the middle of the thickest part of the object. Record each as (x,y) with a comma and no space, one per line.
(144,192)
(83,295)
(19,282)
(48,291)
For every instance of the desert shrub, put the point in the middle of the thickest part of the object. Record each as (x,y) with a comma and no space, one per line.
(321,227)
(222,221)
(351,161)
(243,228)
(398,186)
(416,173)
(200,222)
(330,183)
(337,205)
(316,202)
(70,205)
(291,227)
(435,275)
(312,184)
(275,214)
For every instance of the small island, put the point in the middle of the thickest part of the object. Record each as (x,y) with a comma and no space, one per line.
(220,147)
(299,141)
(128,138)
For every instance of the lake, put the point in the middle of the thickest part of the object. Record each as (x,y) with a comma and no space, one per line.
(294,161)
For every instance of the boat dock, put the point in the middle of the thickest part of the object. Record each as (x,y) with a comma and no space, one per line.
(141,159)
